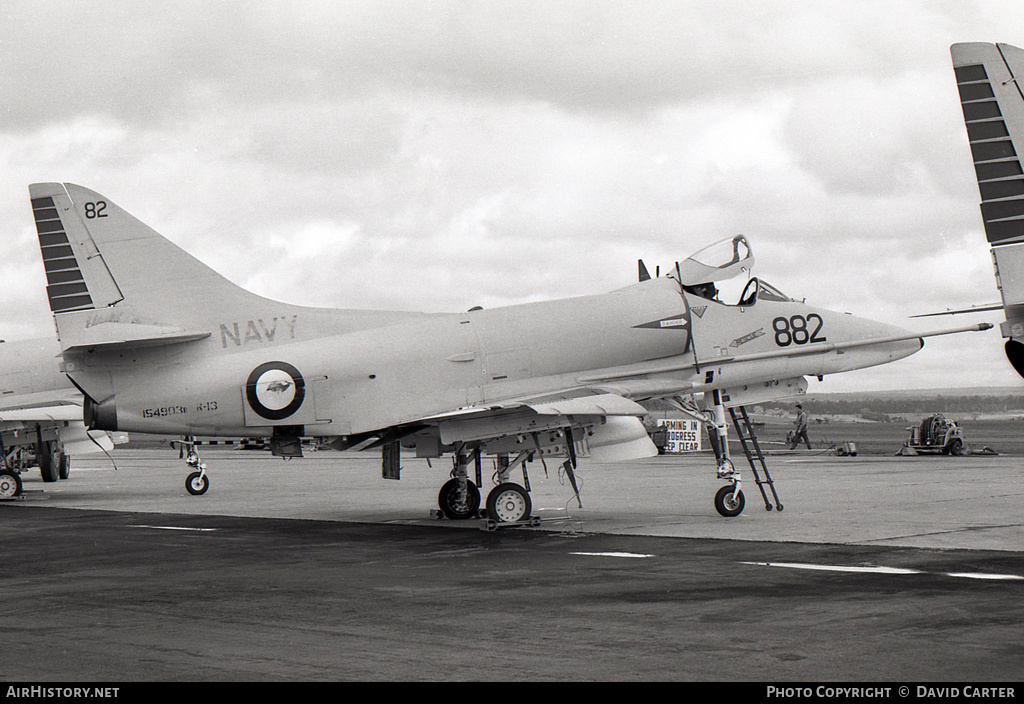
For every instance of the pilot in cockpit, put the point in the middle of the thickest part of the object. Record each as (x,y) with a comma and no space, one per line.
(708,290)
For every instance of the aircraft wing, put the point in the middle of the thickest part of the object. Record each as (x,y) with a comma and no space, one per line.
(606,425)
(18,426)
(46,414)
(972,309)
(567,403)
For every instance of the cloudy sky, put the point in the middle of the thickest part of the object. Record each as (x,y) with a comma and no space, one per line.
(436,155)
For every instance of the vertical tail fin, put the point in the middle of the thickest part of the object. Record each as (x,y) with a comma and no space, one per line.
(111,279)
(98,257)
(989,80)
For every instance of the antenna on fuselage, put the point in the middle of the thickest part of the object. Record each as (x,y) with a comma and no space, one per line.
(642,270)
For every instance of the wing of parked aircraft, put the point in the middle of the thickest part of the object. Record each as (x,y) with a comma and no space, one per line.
(988,79)
(41,417)
(158,342)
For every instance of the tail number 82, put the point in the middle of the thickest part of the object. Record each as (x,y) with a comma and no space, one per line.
(798,330)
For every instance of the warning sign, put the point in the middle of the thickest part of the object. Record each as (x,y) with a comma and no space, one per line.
(683,435)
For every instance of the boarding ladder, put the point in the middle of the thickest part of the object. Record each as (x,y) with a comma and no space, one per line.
(752,450)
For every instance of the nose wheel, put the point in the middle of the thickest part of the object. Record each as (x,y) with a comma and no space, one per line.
(729,501)
(197,482)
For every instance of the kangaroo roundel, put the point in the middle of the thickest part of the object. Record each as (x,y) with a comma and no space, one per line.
(275,390)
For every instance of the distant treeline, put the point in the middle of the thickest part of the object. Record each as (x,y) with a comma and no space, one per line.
(954,403)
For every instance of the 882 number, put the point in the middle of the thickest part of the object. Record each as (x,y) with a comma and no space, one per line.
(798,330)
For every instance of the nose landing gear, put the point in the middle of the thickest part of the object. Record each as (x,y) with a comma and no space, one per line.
(196,483)
(729,500)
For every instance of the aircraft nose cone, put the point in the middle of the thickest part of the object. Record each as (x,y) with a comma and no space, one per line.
(862,343)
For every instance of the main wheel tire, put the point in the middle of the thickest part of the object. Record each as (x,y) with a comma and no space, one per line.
(509,503)
(454,507)
(955,447)
(197,483)
(48,460)
(10,484)
(729,501)
(64,466)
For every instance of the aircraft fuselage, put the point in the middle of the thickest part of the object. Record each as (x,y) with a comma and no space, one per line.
(300,368)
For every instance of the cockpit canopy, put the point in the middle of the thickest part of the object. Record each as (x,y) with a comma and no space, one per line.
(716,262)
(721,261)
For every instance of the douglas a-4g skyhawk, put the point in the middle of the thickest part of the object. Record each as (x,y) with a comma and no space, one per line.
(158,342)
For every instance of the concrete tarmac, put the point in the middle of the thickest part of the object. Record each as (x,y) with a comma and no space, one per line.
(879,569)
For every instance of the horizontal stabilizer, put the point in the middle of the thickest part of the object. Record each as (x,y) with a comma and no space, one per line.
(127,335)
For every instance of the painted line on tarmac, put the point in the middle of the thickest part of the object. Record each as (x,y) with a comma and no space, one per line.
(981,575)
(835,568)
(884,570)
(196,530)
(612,554)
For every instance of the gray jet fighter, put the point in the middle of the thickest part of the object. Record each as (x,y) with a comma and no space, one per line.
(157,342)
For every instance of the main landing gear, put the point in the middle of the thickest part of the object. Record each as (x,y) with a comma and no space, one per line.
(507,503)
(54,463)
(10,484)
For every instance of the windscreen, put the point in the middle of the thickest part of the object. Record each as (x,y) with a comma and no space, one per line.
(767,292)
